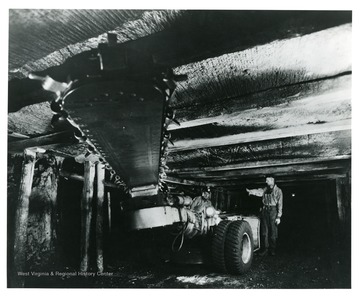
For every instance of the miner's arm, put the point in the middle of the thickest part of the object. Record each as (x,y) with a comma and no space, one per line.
(259,192)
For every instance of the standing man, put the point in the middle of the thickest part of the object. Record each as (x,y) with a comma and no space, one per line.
(272,199)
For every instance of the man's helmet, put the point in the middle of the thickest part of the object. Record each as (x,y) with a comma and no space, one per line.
(206,189)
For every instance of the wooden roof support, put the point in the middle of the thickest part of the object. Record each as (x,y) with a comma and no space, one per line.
(108,206)
(343,200)
(259,164)
(308,178)
(55,139)
(281,170)
(326,145)
(184,145)
(100,195)
(86,214)
(340,200)
(187,182)
(21,220)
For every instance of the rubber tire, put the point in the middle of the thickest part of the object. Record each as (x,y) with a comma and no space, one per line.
(238,233)
(218,245)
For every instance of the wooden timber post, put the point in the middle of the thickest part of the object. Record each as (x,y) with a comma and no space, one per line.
(329,201)
(228,200)
(340,200)
(86,213)
(343,200)
(109,210)
(21,217)
(100,193)
(42,249)
(214,198)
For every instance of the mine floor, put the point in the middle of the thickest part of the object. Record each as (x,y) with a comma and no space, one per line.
(289,269)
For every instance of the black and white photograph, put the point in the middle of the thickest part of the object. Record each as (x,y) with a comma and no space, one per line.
(179,149)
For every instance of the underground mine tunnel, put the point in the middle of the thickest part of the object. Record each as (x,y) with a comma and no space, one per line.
(155,148)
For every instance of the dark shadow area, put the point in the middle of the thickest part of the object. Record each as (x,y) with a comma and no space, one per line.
(69,196)
(311,235)
(313,249)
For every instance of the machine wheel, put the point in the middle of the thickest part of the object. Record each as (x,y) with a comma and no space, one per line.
(218,245)
(239,247)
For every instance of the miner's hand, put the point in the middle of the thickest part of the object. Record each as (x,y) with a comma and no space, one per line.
(277,221)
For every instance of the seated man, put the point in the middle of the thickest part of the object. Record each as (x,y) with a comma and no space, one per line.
(204,215)
(201,202)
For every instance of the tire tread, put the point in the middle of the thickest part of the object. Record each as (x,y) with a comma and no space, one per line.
(233,260)
(218,245)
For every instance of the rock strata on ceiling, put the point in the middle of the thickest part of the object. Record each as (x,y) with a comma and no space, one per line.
(265,90)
